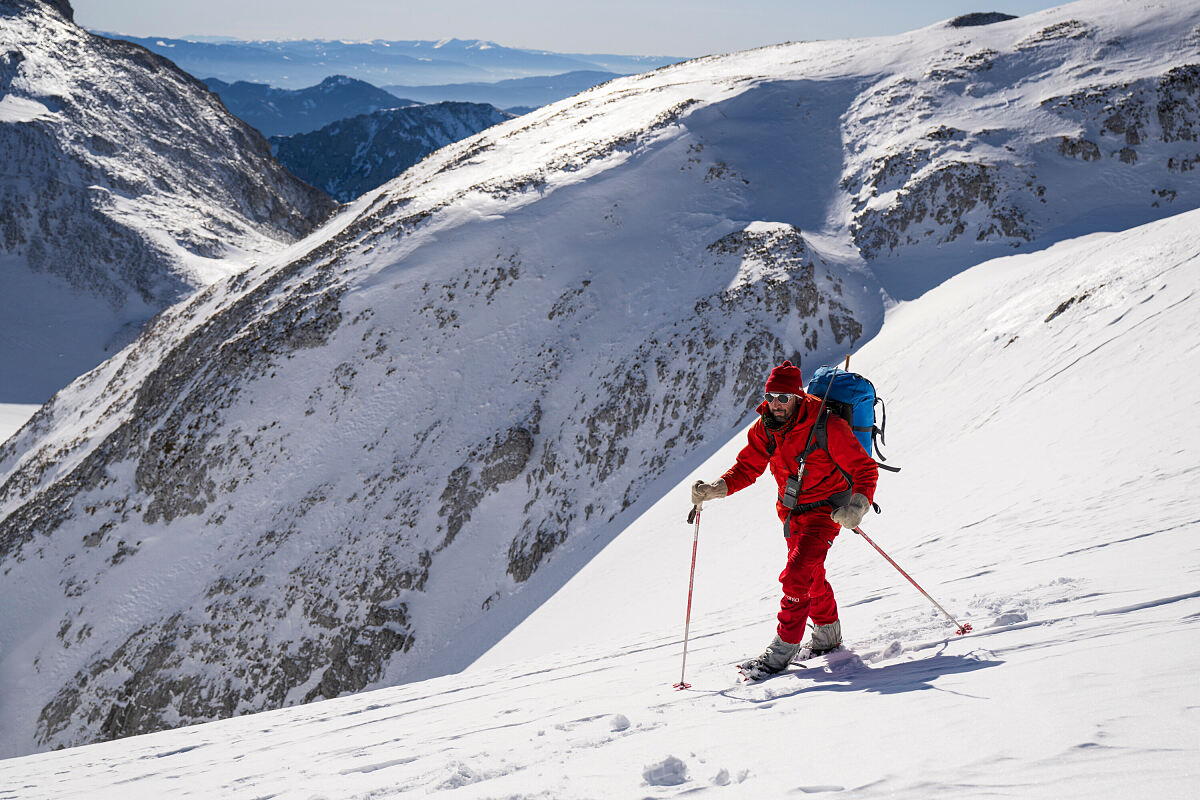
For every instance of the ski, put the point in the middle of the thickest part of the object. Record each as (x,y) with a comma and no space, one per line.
(749,673)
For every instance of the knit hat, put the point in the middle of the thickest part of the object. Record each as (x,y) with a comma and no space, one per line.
(786,378)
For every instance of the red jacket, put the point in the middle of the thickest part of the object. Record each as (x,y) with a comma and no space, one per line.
(821,478)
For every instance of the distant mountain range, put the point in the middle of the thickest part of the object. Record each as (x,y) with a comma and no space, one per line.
(514,94)
(347,137)
(282,112)
(355,155)
(300,63)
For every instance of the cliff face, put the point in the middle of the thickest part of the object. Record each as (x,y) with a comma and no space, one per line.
(126,183)
(1013,184)
(365,460)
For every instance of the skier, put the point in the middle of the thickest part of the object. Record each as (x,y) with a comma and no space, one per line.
(837,474)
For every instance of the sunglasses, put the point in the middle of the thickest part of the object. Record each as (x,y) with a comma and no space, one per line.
(783,397)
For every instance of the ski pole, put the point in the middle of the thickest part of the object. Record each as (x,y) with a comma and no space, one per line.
(963,628)
(687,626)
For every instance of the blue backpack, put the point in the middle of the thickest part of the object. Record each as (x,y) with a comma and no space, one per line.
(852,397)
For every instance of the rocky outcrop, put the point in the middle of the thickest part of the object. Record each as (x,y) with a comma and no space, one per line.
(990,185)
(979,18)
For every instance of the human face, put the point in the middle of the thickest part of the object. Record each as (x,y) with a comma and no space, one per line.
(781,409)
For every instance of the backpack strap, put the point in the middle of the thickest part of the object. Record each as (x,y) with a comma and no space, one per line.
(819,441)
(878,437)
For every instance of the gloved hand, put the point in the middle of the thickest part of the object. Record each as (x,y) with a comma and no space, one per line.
(851,515)
(702,491)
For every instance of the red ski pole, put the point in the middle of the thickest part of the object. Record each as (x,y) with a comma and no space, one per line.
(963,628)
(687,626)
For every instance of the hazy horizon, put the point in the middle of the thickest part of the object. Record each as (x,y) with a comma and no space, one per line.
(665,28)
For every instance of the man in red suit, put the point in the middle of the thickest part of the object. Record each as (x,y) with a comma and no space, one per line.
(835,491)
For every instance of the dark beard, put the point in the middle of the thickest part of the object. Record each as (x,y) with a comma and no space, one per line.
(776,421)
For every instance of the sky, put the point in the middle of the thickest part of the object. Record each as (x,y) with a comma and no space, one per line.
(658,27)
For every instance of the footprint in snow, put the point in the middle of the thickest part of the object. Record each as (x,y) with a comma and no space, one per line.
(843,662)
(671,771)
(891,651)
(1009,618)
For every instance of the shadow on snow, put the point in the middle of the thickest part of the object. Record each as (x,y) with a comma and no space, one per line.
(854,675)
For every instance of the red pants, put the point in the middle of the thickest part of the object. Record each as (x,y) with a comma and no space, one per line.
(806,593)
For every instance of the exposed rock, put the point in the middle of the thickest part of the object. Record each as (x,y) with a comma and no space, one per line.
(979,18)
(939,202)
(1178,105)
(1079,148)
(1067,29)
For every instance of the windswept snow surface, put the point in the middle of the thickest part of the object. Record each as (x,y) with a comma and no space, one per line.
(1040,406)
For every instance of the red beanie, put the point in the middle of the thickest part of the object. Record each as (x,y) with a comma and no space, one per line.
(786,378)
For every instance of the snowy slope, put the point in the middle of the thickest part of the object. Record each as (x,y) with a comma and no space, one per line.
(366,460)
(126,186)
(1039,500)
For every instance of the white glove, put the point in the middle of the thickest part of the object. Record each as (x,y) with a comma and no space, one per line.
(702,491)
(851,515)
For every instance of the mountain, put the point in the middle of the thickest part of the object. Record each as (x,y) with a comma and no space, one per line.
(1073,553)
(526,93)
(282,112)
(126,186)
(362,461)
(353,156)
(294,64)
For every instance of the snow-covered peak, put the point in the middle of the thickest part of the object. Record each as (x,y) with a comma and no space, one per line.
(126,186)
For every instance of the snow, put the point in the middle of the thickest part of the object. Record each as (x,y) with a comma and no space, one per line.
(127,187)
(13,416)
(51,329)
(21,109)
(1039,404)
(1047,497)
